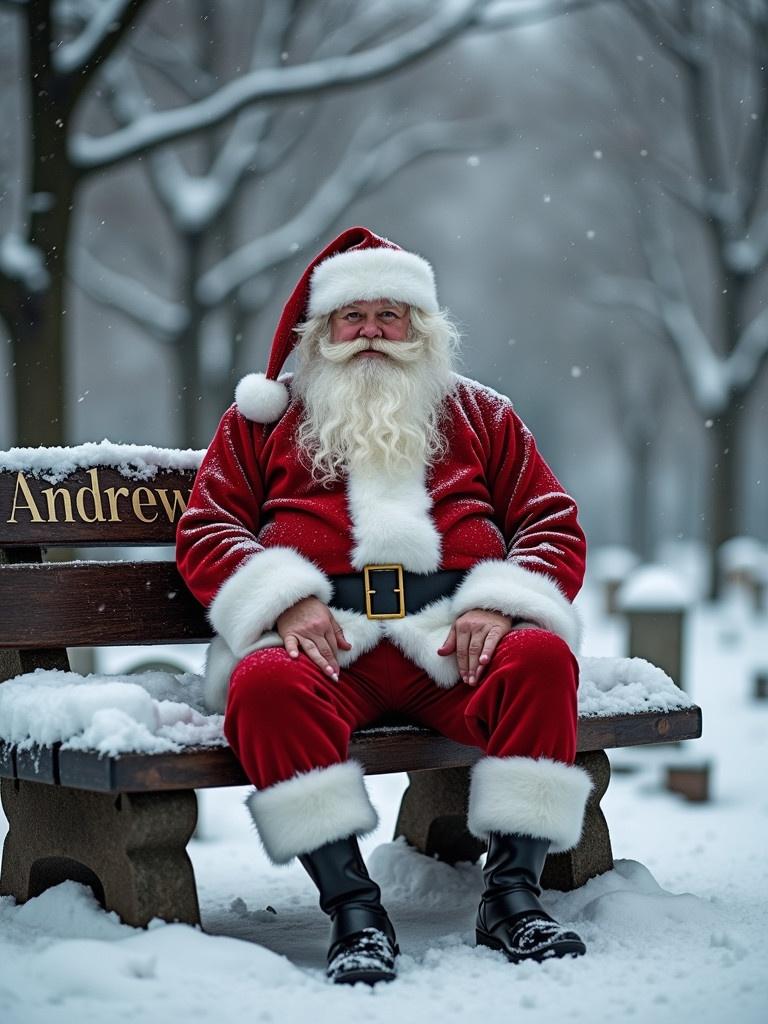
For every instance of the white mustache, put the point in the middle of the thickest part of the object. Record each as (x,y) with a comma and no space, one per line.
(343,351)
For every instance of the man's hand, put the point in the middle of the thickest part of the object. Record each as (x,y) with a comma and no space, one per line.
(309,625)
(473,638)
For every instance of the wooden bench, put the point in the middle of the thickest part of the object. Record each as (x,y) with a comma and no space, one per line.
(121,824)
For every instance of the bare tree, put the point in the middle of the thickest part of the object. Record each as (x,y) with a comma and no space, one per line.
(197,205)
(717,330)
(67,45)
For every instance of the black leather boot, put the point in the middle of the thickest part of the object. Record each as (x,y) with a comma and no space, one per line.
(363,946)
(510,917)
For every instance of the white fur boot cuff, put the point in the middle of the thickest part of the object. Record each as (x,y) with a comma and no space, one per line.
(311,809)
(528,796)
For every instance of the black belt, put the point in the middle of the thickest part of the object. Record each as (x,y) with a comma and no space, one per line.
(391,592)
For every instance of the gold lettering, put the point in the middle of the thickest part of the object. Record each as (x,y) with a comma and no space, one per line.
(95,493)
(138,502)
(29,505)
(112,495)
(50,496)
(170,509)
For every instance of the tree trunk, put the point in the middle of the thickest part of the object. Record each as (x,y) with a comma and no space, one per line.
(37,319)
(189,349)
(725,492)
(727,448)
(641,511)
(40,377)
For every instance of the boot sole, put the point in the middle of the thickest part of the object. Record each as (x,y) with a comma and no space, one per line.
(367,977)
(562,948)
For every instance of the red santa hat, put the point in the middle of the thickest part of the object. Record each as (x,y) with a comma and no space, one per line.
(357,265)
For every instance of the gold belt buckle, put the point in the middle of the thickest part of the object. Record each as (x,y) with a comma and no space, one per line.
(369,591)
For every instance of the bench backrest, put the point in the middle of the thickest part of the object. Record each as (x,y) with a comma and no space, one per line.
(55,604)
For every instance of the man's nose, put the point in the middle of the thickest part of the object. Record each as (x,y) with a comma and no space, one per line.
(370,329)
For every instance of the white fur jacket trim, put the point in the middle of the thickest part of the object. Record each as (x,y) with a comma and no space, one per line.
(391,521)
(254,597)
(507,587)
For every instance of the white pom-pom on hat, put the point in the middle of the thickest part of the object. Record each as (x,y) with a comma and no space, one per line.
(260,399)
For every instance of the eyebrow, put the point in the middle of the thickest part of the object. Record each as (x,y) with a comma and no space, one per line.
(402,306)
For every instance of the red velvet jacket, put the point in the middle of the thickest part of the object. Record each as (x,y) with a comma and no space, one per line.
(259,534)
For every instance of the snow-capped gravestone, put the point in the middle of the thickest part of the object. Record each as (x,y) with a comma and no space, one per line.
(743,566)
(655,601)
(610,565)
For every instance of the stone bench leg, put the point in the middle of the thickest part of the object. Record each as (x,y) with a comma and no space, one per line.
(130,848)
(593,856)
(433,819)
(433,815)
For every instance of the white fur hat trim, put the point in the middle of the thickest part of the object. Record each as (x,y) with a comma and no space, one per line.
(365,274)
(260,399)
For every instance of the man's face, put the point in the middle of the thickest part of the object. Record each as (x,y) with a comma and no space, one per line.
(376,318)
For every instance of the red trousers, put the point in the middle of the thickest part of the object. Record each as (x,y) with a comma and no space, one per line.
(284,716)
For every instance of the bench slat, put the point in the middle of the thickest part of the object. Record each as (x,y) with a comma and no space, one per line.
(604,732)
(38,764)
(71,604)
(382,752)
(7,761)
(100,506)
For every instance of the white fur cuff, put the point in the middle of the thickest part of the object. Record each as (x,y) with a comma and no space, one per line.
(504,587)
(312,809)
(255,596)
(526,796)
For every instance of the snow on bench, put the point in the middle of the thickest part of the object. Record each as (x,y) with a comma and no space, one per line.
(162,712)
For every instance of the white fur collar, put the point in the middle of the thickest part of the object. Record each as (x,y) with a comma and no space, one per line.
(391,520)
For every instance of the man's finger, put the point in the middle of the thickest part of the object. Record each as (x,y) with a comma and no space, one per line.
(331,641)
(312,651)
(462,652)
(491,643)
(338,632)
(328,651)
(291,645)
(449,644)
(474,650)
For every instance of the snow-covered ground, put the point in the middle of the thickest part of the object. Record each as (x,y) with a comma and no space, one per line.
(676,931)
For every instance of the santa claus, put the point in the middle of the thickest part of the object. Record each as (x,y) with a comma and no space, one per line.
(378,533)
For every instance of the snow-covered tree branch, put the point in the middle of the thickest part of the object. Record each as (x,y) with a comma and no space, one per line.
(716,326)
(89,152)
(90,47)
(499,14)
(160,318)
(364,167)
(446,21)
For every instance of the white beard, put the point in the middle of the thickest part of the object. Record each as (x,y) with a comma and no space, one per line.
(371,412)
